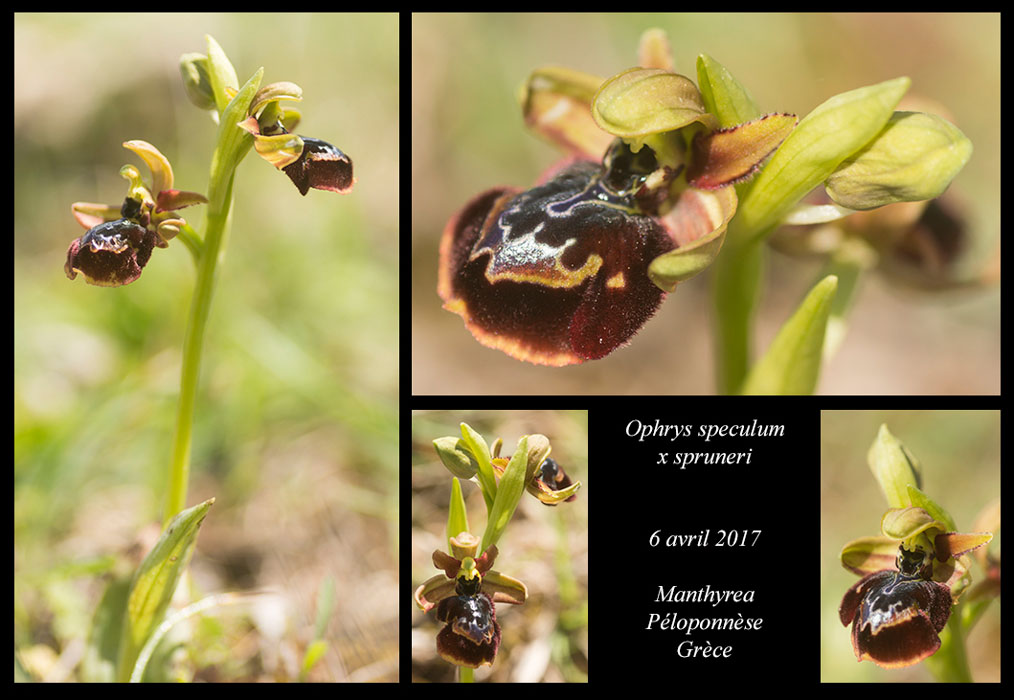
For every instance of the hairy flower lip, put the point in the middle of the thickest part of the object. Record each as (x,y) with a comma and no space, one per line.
(549,282)
(895,619)
(464,597)
(321,166)
(110,254)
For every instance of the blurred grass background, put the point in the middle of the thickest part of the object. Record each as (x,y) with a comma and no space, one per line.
(296,425)
(546,639)
(960,456)
(468,136)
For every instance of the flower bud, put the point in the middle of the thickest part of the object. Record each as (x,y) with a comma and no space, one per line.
(196,82)
(914,157)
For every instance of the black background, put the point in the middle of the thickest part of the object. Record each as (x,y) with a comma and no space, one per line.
(776,493)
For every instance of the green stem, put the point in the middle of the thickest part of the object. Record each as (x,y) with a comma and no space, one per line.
(735,286)
(193,346)
(466,674)
(950,663)
(233,144)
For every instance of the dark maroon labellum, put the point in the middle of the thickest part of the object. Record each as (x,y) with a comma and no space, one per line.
(558,274)
(471,636)
(322,167)
(896,616)
(111,254)
(554,478)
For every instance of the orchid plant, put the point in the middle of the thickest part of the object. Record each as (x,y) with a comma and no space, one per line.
(119,244)
(661,176)
(915,601)
(464,595)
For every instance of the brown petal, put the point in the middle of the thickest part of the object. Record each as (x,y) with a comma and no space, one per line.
(728,156)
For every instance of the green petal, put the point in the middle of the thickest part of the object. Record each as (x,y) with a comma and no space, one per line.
(913,158)
(823,139)
(791,364)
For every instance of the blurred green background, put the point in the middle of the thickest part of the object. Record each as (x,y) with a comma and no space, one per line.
(296,425)
(468,136)
(960,456)
(546,639)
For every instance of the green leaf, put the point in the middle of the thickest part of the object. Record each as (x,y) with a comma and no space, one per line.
(913,158)
(792,362)
(816,147)
(457,513)
(102,653)
(512,487)
(894,468)
(155,582)
(723,95)
(314,653)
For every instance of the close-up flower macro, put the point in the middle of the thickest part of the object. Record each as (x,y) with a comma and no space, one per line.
(914,594)
(610,201)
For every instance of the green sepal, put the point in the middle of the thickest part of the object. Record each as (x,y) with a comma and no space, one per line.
(155,582)
(221,74)
(556,104)
(791,364)
(906,523)
(480,451)
(868,554)
(723,95)
(455,455)
(643,101)
(913,158)
(894,468)
(816,147)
